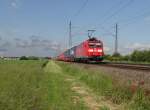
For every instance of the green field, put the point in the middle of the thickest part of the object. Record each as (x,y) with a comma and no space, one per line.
(50,85)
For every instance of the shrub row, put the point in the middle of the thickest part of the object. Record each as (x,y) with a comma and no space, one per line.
(136,56)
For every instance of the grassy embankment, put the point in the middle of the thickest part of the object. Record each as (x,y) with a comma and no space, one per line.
(21,86)
(28,85)
(104,85)
(33,85)
(61,97)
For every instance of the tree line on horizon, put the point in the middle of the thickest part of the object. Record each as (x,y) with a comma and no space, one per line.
(135,56)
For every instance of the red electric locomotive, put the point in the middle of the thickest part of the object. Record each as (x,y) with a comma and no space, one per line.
(89,50)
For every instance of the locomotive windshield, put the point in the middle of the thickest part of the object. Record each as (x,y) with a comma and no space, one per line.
(95,45)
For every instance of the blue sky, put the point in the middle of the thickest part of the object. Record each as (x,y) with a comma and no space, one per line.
(40,27)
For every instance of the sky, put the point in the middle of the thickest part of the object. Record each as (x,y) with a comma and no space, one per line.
(40,27)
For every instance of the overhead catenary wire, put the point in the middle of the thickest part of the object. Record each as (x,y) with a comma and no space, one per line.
(75,15)
(119,10)
(134,19)
(109,10)
(80,9)
(119,4)
(113,7)
(116,12)
(125,22)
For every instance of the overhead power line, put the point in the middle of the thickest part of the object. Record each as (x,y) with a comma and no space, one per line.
(116,12)
(113,7)
(81,8)
(133,19)
(75,15)
(84,5)
(119,10)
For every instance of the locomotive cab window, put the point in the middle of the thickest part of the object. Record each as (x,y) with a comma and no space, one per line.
(98,45)
(95,45)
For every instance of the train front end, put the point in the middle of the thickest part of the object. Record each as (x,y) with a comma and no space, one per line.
(95,50)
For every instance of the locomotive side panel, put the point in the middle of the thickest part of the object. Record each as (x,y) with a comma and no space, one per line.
(81,52)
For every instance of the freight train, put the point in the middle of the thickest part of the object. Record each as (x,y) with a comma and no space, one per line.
(89,50)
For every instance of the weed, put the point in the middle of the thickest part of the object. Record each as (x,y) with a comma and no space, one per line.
(103,85)
(21,86)
(104,108)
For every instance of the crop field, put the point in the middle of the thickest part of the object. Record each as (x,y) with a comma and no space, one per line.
(51,85)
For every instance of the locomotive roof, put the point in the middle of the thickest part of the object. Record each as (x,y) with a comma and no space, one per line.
(93,39)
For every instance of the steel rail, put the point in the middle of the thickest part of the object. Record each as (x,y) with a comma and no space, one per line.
(127,66)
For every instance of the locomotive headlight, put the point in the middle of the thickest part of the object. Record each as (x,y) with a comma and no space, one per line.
(90,50)
(99,50)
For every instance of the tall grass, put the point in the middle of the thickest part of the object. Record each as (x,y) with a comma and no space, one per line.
(21,86)
(35,85)
(40,85)
(60,94)
(104,85)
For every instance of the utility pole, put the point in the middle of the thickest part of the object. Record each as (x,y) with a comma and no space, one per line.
(70,35)
(116,39)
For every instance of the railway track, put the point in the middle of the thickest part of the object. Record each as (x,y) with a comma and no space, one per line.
(140,67)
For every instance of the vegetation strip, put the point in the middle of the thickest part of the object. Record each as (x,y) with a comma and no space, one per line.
(42,85)
(61,97)
(82,93)
(91,100)
(129,97)
(22,85)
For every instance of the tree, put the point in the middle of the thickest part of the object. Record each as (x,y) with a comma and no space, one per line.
(23,58)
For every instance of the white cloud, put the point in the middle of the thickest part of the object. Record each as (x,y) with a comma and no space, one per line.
(35,42)
(107,49)
(138,46)
(15,3)
(147,18)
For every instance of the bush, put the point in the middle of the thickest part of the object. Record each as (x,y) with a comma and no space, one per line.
(29,58)
(33,58)
(23,58)
(113,57)
(141,56)
(136,56)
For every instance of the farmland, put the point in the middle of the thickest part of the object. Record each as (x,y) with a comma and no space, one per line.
(22,85)
(51,85)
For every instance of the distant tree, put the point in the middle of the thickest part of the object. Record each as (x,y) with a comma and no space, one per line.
(33,58)
(112,57)
(23,58)
(142,56)
(126,58)
(107,56)
(136,56)
(116,55)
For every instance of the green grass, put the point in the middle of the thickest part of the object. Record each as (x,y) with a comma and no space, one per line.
(103,85)
(60,94)
(42,85)
(21,86)
(104,108)
(35,85)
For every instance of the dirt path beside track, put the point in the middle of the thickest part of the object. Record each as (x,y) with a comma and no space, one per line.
(82,92)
